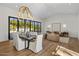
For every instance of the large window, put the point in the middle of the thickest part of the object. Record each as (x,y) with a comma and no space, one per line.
(13,24)
(23,25)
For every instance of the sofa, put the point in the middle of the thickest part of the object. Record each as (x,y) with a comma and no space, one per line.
(53,37)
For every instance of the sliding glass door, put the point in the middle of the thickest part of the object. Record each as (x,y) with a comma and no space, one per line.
(13,24)
(23,25)
(32,26)
(39,27)
(28,25)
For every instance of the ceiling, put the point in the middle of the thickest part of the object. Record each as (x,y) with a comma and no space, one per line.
(45,10)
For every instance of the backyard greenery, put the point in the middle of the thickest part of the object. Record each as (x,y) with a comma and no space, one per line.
(13,25)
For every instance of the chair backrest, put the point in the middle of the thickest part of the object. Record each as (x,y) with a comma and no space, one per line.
(16,38)
(39,39)
(18,42)
(39,42)
(15,35)
(33,33)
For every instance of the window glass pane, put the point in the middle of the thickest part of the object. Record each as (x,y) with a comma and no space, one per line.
(27,25)
(21,25)
(40,27)
(36,26)
(32,26)
(13,25)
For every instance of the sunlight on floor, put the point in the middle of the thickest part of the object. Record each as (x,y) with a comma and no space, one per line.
(62,51)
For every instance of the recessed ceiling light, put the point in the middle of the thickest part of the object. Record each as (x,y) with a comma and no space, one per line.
(16,6)
(49,26)
(64,25)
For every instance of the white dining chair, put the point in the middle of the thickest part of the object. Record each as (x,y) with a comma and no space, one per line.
(36,45)
(18,43)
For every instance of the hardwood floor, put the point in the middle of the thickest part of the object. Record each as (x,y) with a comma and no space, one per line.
(7,49)
(72,45)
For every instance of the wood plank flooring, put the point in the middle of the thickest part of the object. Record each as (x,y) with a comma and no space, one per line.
(7,49)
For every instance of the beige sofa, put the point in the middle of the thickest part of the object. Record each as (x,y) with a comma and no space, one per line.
(53,37)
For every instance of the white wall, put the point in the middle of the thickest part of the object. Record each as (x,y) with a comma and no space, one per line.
(78,26)
(70,20)
(4,13)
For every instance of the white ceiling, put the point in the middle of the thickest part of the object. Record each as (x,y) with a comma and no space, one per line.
(45,10)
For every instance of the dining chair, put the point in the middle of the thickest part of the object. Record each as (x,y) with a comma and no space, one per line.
(36,45)
(18,43)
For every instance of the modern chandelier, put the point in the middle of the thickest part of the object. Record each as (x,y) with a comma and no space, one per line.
(25,13)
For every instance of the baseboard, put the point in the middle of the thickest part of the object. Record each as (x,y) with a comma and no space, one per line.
(74,37)
(4,41)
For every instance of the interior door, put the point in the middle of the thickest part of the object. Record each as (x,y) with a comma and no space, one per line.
(56,27)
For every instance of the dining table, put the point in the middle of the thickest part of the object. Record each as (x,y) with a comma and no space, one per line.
(28,39)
